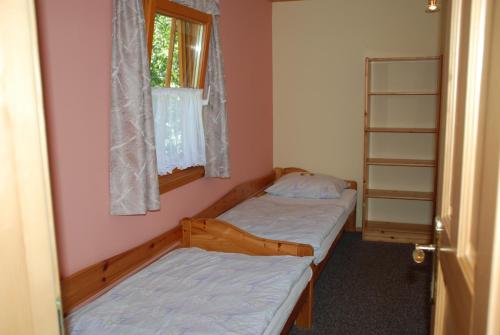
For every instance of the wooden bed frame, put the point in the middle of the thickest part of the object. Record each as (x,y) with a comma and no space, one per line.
(212,234)
(95,280)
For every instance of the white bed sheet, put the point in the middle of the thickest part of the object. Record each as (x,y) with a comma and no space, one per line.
(192,291)
(311,221)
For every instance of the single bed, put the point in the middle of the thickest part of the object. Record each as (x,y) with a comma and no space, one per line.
(193,291)
(315,222)
(158,288)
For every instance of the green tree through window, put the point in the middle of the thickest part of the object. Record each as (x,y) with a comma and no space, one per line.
(160,49)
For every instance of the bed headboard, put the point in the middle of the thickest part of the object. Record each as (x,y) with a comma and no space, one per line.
(238,194)
(218,235)
(89,282)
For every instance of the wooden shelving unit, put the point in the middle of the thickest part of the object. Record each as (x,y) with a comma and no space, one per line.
(379,229)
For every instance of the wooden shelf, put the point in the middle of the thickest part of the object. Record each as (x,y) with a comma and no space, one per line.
(404,93)
(398,232)
(405,195)
(401,130)
(403,59)
(401,162)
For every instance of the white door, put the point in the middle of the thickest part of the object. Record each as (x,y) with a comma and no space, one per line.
(29,284)
(469,256)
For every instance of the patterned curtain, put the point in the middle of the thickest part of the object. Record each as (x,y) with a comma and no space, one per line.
(133,175)
(214,115)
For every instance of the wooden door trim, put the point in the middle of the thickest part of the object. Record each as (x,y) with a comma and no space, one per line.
(474,119)
(485,319)
(28,252)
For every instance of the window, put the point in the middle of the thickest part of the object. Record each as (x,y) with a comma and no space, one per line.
(176,52)
(178,41)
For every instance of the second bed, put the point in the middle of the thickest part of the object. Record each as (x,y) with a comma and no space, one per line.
(251,213)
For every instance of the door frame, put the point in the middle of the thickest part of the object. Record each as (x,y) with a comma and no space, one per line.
(29,284)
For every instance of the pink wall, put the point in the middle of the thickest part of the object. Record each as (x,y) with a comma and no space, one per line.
(75,41)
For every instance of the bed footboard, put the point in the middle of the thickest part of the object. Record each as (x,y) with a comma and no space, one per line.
(218,235)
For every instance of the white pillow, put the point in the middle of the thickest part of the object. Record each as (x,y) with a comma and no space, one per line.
(308,185)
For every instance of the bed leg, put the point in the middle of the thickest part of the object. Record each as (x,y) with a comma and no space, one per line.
(304,319)
(350,225)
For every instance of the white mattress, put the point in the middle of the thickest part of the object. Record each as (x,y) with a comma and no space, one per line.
(278,322)
(316,222)
(192,291)
(328,241)
(347,201)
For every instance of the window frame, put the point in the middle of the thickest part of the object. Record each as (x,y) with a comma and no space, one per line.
(151,7)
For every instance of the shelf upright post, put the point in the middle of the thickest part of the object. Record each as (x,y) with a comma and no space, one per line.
(366,144)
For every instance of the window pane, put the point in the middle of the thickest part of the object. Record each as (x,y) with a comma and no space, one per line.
(161,46)
(181,61)
(190,42)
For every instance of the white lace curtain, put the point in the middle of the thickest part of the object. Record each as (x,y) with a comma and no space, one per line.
(214,115)
(180,139)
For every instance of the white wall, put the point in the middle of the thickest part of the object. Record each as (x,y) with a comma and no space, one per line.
(319,47)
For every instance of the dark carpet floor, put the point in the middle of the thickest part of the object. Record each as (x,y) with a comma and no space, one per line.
(371,288)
